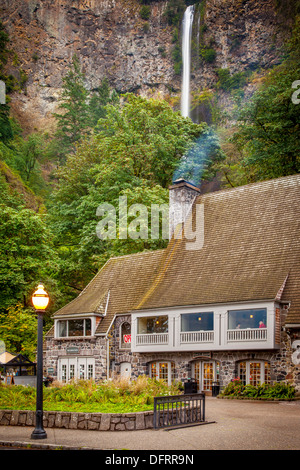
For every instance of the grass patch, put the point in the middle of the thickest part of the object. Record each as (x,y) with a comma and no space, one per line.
(114,396)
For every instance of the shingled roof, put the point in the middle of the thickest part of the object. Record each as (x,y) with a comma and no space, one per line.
(125,278)
(251,251)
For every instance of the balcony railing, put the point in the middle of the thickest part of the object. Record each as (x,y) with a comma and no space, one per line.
(152,338)
(203,337)
(249,334)
(197,337)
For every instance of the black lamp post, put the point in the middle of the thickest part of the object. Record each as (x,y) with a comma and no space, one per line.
(40,300)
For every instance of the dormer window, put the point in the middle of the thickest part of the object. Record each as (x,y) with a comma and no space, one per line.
(70,328)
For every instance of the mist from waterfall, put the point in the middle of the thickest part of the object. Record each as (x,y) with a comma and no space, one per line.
(193,163)
(186,59)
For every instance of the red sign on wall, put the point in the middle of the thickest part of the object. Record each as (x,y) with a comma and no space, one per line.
(127,339)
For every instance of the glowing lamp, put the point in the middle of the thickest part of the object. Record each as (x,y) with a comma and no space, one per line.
(40,298)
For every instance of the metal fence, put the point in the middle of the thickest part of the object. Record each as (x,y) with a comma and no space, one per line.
(179,410)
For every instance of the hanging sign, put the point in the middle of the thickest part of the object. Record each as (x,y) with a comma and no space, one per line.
(72,350)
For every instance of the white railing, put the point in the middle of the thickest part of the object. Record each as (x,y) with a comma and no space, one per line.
(197,337)
(152,338)
(250,334)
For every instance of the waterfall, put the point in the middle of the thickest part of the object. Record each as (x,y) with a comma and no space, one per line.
(186,59)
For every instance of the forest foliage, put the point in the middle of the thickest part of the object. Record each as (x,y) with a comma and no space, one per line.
(108,145)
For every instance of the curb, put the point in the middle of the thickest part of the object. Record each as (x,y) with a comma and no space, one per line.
(35,446)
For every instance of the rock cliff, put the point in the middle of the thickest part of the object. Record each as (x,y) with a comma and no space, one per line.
(112,40)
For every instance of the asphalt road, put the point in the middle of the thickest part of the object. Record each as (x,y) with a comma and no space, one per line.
(238,425)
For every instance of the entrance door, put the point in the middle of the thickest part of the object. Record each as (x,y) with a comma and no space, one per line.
(86,368)
(205,373)
(76,368)
(62,370)
(125,370)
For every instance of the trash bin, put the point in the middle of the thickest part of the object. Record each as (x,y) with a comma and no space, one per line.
(190,386)
(215,389)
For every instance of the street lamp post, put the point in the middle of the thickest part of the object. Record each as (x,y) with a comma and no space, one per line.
(40,300)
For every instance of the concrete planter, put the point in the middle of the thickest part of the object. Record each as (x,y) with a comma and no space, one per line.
(88,421)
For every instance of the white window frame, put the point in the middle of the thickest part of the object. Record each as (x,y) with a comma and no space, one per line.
(69,318)
(69,368)
(198,375)
(248,362)
(121,343)
(219,339)
(171,374)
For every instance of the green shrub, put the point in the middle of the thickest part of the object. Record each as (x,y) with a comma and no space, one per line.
(228,82)
(278,391)
(115,396)
(208,54)
(145,12)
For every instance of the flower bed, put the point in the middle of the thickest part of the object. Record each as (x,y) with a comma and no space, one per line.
(115,405)
(278,391)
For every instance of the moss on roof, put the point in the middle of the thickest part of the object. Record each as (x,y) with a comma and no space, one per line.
(251,251)
(251,245)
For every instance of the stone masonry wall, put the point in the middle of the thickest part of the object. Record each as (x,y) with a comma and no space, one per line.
(82,421)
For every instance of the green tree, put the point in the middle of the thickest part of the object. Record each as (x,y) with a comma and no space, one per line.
(268,134)
(134,151)
(81,111)
(6,132)
(18,330)
(26,254)
(99,98)
(73,122)
(265,141)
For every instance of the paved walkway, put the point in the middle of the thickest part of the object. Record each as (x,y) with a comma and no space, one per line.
(239,425)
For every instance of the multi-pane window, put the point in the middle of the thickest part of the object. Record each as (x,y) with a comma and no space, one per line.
(254,372)
(81,371)
(72,371)
(76,368)
(254,377)
(90,371)
(80,327)
(163,370)
(267,373)
(125,340)
(242,374)
(63,373)
(205,373)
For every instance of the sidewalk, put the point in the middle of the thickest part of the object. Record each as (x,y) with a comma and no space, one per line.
(239,425)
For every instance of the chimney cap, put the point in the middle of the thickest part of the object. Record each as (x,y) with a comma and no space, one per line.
(182,182)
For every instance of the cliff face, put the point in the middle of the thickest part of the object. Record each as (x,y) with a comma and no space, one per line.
(111,40)
(244,34)
(108,36)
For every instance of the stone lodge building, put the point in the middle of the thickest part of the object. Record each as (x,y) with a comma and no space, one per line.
(225,304)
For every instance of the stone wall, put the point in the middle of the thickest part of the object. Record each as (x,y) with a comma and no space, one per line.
(88,421)
(55,349)
(284,361)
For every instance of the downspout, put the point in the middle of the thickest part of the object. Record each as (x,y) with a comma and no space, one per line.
(107,357)
(107,339)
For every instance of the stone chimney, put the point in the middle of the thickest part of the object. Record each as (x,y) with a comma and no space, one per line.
(181,197)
